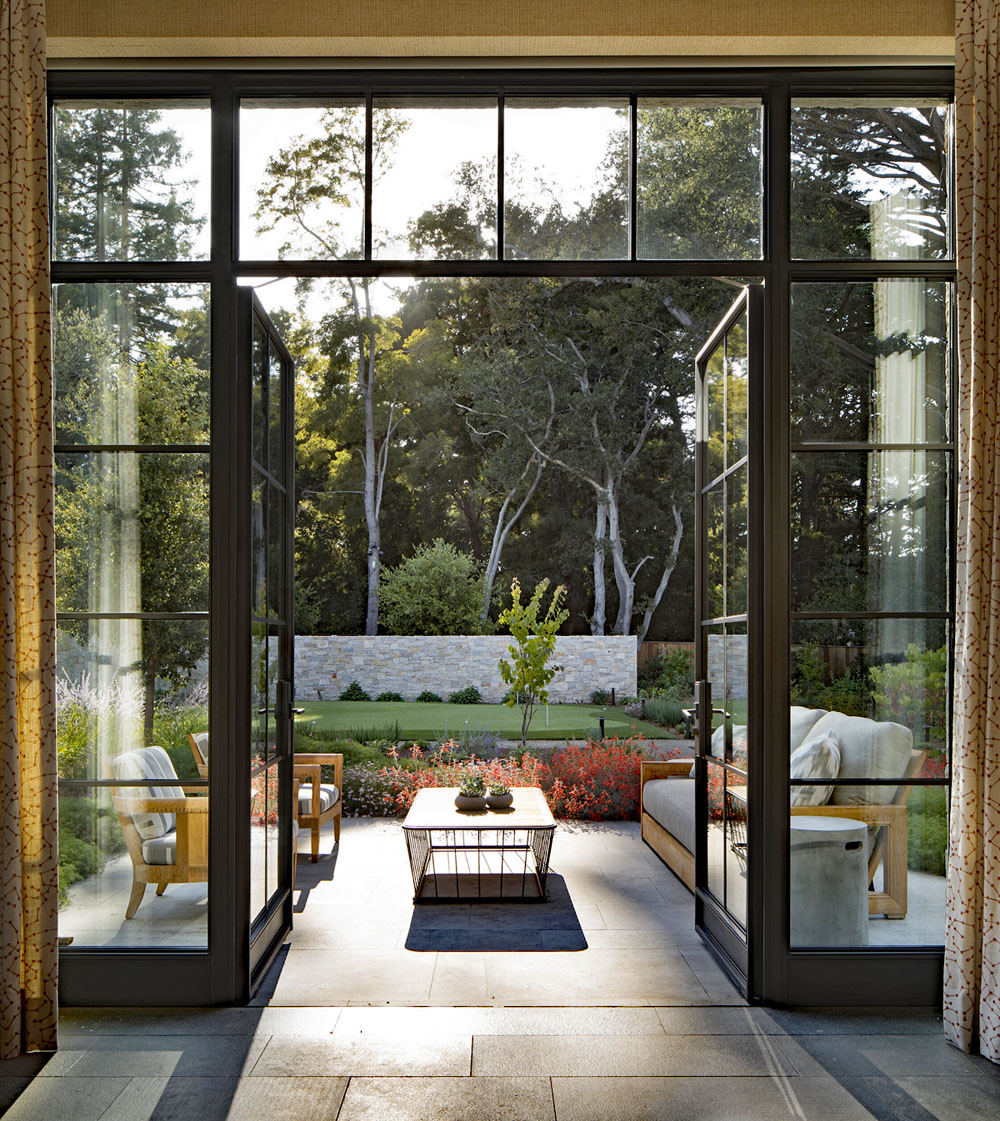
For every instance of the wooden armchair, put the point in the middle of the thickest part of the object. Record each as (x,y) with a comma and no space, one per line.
(315,801)
(199,749)
(165,826)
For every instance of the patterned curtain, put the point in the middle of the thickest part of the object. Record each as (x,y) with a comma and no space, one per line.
(28,812)
(972,950)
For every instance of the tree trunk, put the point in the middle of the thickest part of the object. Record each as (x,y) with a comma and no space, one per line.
(149,699)
(366,379)
(624,580)
(668,571)
(600,589)
(502,529)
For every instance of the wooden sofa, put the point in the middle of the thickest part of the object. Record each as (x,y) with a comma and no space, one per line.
(668,823)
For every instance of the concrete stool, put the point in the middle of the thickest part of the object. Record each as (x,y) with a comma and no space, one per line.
(828,881)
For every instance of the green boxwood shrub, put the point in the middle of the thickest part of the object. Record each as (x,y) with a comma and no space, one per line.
(427,697)
(470,695)
(354,692)
(390,696)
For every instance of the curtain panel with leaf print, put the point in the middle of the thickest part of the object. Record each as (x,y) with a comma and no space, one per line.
(972,949)
(28,809)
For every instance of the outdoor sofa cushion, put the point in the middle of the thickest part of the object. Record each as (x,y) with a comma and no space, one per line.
(161,850)
(149,762)
(328,795)
(817,758)
(670,801)
(868,749)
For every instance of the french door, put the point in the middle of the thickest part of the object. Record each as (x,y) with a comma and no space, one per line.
(268,372)
(728,370)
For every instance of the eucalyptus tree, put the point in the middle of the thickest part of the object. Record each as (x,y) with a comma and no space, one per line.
(309,194)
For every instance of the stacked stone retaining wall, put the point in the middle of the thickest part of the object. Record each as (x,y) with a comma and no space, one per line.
(326,664)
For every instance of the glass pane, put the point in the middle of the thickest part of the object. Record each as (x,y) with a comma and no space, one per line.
(258,547)
(870,531)
(260,730)
(259,808)
(737,380)
(259,392)
(131,180)
(699,179)
(874,876)
(565,179)
(435,193)
(736,542)
(272,832)
(734,700)
(276,458)
(871,362)
(276,568)
(886,669)
(302,179)
(131,363)
(715,551)
(870,178)
(132,531)
(716,830)
(715,406)
(736,852)
(121,687)
(276,672)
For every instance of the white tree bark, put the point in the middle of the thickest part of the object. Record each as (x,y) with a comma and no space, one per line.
(668,571)
(599,619)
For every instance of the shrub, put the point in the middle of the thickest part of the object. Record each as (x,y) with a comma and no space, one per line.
(470,741)
(390,697)
(470,695)
(663,710)
(354,692)
(671,672)
(429,698)
(597,780)
(915,692)
(438,590)
(927,829)
(600,697)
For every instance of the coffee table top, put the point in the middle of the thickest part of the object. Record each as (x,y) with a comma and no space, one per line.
(434,808)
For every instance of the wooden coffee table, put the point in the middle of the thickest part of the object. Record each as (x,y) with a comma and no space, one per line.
(478,855)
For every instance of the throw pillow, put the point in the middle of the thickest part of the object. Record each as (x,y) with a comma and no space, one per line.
(817,758)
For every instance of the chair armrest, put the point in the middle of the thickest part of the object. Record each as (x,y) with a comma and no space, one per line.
(161,805)
(326,759)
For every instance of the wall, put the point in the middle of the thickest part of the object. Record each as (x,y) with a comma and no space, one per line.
(326,664)
(512,28)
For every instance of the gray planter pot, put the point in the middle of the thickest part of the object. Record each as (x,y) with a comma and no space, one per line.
(466,803)
(499,801)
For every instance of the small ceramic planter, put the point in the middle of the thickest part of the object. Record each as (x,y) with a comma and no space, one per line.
(465,802)
(499,801)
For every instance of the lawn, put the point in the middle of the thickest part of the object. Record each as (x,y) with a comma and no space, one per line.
(436,721)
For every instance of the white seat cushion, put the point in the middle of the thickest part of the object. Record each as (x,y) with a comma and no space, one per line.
(868,749)
(670,801)
(161,850)
(819,757)
(148,762)
(328,796)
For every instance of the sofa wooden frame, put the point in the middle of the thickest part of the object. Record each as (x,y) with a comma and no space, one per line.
(889,847)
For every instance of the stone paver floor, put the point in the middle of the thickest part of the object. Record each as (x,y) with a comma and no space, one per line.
(602,1004)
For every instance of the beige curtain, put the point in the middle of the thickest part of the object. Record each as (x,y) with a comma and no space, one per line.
(972,950)
(28,811)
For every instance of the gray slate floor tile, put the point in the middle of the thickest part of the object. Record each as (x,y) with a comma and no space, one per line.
(365,1054)
(448,1099)
(288,1099)
(696,1099)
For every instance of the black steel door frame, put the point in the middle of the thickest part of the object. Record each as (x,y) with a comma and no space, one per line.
(222,974)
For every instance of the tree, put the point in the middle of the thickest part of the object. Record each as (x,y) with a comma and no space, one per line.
(528,672)
(307,192)
(434,591)
(132,529)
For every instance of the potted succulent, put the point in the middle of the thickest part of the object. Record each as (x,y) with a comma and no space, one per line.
(472,793)
(499,797)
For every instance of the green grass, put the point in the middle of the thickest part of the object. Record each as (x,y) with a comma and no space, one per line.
(428,721)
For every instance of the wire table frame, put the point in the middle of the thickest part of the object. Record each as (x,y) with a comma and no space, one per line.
(479,855)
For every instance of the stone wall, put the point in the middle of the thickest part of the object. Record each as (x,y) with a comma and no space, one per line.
(736,678)
(326,664)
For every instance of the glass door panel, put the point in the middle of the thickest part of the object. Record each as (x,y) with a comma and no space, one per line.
(269,755)
(728,370)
